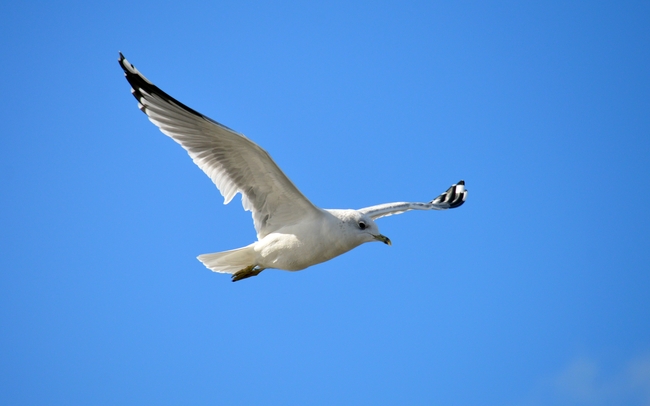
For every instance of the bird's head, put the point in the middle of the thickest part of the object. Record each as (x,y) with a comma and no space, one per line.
(362,227)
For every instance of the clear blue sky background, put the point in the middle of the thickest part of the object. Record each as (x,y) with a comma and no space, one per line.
(535,292)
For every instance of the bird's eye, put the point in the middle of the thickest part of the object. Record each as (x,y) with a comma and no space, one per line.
(362,225)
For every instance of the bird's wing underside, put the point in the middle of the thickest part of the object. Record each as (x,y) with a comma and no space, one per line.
(233,162)
(454,197)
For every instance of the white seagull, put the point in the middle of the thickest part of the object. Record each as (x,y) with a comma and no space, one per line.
(292,233)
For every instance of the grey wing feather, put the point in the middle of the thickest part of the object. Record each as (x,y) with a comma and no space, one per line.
(454,197)
(233,162)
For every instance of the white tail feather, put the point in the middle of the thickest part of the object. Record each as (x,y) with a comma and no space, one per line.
(229,261)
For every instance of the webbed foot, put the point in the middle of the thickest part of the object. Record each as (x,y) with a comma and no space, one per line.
(247,272)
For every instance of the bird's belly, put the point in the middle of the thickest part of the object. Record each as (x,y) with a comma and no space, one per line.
(291,253)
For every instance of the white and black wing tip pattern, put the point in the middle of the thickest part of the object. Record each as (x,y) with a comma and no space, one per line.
(454,196)
(139,83)
(234,163)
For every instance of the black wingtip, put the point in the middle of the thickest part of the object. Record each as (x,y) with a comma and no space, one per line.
(457,197)
(454,197)
(123,62)
(139,84)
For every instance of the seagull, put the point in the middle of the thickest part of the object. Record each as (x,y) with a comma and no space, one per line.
(292,233)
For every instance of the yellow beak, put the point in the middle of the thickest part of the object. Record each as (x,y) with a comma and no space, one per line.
(383,239)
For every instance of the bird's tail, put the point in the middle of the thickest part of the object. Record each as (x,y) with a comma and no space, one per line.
(229,261)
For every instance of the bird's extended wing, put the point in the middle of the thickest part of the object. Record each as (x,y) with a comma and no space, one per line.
(233,162)
(454,197)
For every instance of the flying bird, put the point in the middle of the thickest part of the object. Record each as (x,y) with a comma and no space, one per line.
(292,233)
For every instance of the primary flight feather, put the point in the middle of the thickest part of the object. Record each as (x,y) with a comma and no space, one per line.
(292,233)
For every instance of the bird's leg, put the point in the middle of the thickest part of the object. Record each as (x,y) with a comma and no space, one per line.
(247,272)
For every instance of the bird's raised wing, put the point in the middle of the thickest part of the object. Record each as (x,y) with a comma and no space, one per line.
(454,197)
(233,162)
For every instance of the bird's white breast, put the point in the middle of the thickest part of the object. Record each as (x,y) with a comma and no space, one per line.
(299,246)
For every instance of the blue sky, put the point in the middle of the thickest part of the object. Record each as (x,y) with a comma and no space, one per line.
(535,292)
